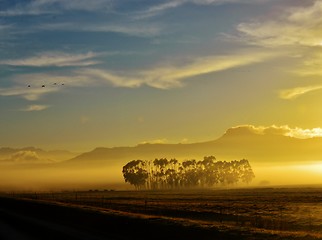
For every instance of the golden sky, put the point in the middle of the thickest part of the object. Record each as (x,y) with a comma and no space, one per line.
(119,73)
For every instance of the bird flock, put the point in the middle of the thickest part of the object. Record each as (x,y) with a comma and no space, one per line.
(43,85)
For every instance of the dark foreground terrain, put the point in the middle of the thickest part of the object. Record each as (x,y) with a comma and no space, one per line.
(285,213)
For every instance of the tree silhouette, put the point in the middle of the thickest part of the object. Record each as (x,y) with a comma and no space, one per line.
(135,173)
(246,171)
(164,174)
(209,175)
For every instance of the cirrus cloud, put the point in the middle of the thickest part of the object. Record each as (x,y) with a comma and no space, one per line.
(296,26)
(57,59)
(297,31)
(32,108)
(38,7)
(165,77)
(298,91)
(171,76)
(158,9)
(34,86)
(27,93)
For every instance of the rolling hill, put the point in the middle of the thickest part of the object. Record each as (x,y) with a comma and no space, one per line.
(236,143)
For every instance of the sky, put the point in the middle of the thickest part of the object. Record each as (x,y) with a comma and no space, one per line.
(120,73)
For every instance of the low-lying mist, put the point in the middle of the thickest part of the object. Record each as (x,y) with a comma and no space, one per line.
(274,158)
(49,178)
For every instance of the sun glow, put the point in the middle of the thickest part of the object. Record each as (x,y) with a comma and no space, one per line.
(314,168)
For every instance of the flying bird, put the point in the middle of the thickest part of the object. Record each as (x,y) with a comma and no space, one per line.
(45,85)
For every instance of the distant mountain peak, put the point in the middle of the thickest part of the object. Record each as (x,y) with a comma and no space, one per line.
(33,154)
(241,131)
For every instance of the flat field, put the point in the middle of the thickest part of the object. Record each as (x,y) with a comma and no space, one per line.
(254,213)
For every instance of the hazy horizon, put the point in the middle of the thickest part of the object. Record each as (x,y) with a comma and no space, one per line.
(278,156)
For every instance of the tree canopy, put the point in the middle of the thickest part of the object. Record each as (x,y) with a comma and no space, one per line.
(171,174)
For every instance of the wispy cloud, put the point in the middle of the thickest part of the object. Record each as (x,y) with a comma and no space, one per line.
(172,76)
(312,64)
(84,5)
(30,94)
(6,33)
(4,27)
(145,30)
(38,7)
(156,141)
(296,26)
(298,91)
(32,108)
(164,141)
(34,86)
(128,28)
(113,78)
(158,9)
(57,59)
(296,30)
(166,77)
(283,130)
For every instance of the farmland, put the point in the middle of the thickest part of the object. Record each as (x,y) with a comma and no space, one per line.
(273,213)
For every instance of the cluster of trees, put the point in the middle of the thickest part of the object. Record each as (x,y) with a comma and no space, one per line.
(171,174)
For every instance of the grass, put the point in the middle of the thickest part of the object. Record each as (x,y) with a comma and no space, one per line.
(277,213)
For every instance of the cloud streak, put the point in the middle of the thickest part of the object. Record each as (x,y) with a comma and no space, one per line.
(298,26)
(4,27)
(52,83)
(159,9)
(155,141)
(166,77)
(39,7)
(129,28)
(56,59)
(312,64)
(298,91)
(297,30)
(30,94)
(33,108)
(172,76)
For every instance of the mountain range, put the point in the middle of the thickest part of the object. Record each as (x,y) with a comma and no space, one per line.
(274,157)
(237,143)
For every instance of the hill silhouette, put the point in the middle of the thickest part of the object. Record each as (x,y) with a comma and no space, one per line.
(235,143)
(274,157)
